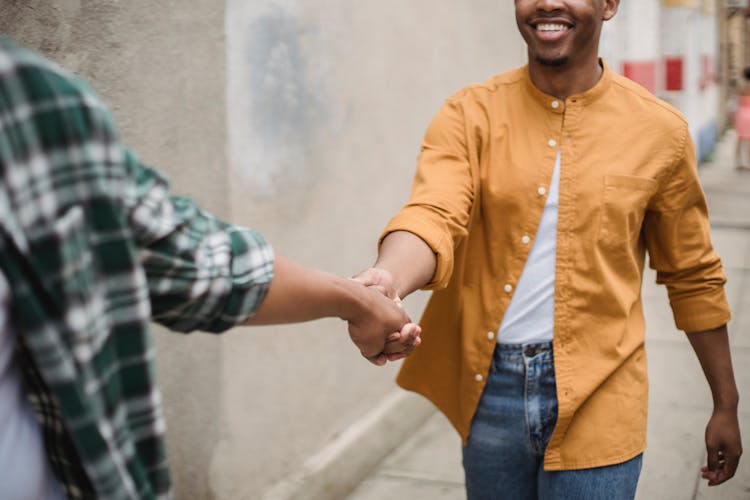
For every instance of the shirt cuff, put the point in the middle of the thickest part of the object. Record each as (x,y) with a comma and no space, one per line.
(252,272)
(420,225)
(703,312)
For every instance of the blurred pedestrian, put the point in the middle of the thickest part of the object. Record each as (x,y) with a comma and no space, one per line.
(742,124)
(536,198)
(92,248)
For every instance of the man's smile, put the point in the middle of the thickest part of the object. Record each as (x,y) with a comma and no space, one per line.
(551,31)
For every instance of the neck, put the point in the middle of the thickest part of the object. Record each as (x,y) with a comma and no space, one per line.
(565,80)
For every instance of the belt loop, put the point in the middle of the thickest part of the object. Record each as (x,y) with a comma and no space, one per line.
(531,351)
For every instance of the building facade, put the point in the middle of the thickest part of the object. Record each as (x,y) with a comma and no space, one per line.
(672,48)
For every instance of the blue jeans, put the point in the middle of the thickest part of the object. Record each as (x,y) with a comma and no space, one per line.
(503,458)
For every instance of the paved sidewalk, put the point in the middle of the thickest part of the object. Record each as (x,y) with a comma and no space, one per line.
(428,466)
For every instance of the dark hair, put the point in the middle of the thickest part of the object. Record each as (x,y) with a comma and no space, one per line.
(746,72)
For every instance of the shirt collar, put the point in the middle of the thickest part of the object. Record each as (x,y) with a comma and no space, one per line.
(584,98)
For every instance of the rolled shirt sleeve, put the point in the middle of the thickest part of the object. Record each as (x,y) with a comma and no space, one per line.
(202,273)
(439,208)
(678,237)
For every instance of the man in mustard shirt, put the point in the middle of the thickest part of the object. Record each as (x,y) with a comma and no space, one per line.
(536,198)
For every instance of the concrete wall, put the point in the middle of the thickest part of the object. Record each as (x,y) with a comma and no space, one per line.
(328,101)
(160,68)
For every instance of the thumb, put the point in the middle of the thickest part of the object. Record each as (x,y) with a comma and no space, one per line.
(382,280)
(368,277)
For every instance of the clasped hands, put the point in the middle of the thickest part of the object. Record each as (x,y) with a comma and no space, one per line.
(382,330)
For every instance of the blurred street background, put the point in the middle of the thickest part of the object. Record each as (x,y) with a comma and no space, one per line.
(303,119)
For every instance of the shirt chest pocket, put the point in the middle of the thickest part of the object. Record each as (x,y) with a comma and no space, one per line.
(623,208)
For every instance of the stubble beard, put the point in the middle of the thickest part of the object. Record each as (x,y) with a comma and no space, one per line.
(555,63)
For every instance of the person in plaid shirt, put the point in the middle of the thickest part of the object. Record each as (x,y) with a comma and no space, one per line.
(92,248)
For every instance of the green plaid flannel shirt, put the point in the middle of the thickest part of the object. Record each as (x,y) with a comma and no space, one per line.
(94,247)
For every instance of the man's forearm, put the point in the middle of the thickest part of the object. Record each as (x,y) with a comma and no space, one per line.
(723,441)
(409,260)
(298,293)
(379,328)
(712,349)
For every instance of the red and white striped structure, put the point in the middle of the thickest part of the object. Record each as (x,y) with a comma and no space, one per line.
(670,47)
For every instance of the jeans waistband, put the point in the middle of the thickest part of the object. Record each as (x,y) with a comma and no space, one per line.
(521,350)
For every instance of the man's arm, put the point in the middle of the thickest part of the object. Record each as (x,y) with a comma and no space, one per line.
(418,249)
(205,274)
(405,263)
(377,325)
(723,442)
(678,236)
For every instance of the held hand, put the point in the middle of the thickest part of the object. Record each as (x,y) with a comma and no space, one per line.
(724,447)
(382,330)
(381,279)
(401,344)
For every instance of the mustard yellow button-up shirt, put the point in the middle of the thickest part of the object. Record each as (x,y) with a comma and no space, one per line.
(628,186)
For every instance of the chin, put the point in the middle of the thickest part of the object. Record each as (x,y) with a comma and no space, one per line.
(552,61)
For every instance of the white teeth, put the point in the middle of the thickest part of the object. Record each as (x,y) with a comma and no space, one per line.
(550,27)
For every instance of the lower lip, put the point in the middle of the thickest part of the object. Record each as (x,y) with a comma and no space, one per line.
(551,36)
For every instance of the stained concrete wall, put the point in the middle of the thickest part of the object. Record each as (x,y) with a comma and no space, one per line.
(160,67)
(329,100)
(322,105)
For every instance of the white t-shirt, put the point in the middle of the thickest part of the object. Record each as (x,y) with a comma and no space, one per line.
(530,317)
(25,473)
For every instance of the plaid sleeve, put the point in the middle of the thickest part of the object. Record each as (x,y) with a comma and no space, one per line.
(202,273)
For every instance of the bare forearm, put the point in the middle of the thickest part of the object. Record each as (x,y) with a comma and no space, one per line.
(408,259)
(712,349)
(298,293)
(723,441)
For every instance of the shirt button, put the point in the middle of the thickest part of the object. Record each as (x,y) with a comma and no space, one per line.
(555,104)
(552,143)
(508,288)
(542,191)
(478,377)
(490,335)
(526,240)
